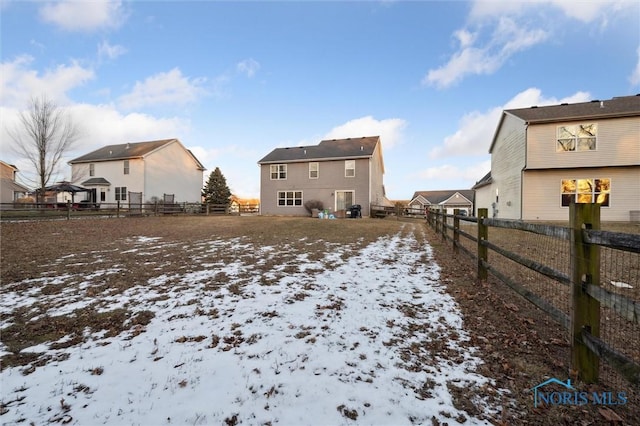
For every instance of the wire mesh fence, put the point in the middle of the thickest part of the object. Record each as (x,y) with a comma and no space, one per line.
(536,261)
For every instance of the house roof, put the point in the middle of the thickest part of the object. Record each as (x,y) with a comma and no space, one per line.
(486,180)
(622,106)
(437,197)
(96,181)
(617,107)
(330,149)
(129,150)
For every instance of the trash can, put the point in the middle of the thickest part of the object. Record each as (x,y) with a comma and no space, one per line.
(356,211)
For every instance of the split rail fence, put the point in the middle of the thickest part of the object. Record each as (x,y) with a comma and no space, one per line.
(586,279)
(133,207)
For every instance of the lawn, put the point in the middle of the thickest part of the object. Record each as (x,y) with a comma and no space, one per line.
(229,320)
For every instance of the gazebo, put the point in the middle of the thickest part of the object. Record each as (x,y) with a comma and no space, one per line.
(66,187)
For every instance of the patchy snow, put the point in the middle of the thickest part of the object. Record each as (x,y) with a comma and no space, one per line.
(620,284)
(349,338)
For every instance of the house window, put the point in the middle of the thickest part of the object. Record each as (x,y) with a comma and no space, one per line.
(314,170)
(344,199)
(579,137)
(103,196)
(126,167)
(349,168)
(289,198)
(121,193)
(586,191)
(278,171)
(92,169)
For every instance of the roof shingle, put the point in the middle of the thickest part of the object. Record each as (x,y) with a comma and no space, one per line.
(330,149)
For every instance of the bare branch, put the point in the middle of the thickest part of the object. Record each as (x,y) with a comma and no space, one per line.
(45,132)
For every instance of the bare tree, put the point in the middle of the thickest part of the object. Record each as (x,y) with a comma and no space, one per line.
(43,134)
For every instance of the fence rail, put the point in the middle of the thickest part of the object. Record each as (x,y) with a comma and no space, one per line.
(26,211)
(586,296)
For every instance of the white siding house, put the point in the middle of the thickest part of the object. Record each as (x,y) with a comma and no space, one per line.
(153,168)
(543,158)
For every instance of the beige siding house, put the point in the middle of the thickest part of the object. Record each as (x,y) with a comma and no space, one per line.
(10,190)
(338,172)
(447,200)
(543,158)
(153,168)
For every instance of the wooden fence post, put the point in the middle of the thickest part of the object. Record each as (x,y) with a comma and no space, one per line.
(456,227)
(585,269)
(68,209)
(483,251)
(444,223)
(118,209)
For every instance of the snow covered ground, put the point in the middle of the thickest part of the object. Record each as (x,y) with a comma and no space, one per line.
(350,336)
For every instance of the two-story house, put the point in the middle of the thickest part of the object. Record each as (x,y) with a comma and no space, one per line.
(153,168)
(337,172)
(10,190)
(543,158)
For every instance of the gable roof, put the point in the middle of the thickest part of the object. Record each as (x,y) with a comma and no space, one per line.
(484,181)
(437,197)
(622,106)
(617,107)
(126,151)
(330,149)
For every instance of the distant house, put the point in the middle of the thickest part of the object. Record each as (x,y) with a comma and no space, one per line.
(152,168)
(447,200)
(337,172)
(244,205)
(10,190)
(543,158)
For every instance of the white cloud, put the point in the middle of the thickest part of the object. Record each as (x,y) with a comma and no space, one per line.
(508,38)
(389,130)
(476,128)
(18,83)
(634,78)
(164,88)
(586,11)
(82,15)
(108,51)
(515,26)
(248,67)
(449,172)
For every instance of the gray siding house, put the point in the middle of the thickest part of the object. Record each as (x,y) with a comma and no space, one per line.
(543,158)
(337,172)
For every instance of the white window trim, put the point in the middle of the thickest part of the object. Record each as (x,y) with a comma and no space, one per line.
(285,198)
(349,168)
(277,172)
(592,194)
(317,170)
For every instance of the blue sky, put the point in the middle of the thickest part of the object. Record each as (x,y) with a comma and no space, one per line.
(234,80)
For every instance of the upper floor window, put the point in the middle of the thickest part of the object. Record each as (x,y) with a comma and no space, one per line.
(579,137)
(349,168)
(314,170)
(92,169)
(278,171)
(126,167)
(586,191)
